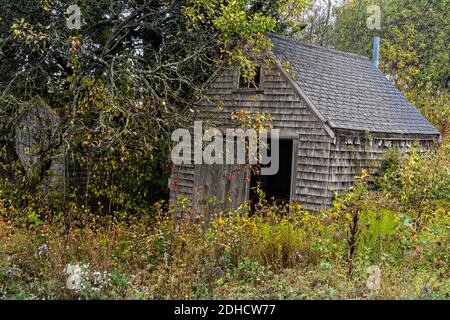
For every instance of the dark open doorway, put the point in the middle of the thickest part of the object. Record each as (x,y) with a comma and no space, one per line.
(277,186)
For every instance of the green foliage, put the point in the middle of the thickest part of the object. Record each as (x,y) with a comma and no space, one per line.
(420,181)
(277,252)
(119,86)
(241,26)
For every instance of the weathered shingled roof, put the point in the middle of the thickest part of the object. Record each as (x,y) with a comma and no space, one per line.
(348,90)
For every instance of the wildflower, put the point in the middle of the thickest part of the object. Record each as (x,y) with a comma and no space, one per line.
(306,218)
(42,249)
(220,221)
(13,272)
(100,279)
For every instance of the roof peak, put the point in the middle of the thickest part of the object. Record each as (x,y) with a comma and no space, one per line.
(316,46)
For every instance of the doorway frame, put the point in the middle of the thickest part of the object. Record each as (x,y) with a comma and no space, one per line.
(295,140)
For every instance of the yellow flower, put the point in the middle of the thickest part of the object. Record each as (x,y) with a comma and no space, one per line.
(348,216)
(220,221)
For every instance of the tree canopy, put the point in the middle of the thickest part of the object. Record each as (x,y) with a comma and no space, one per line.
(125,79)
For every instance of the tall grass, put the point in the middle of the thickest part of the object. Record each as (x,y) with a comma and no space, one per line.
(277,252)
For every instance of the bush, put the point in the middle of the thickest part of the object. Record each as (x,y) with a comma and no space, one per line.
(278,252)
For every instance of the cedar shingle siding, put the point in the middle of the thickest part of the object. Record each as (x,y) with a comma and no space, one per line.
(341,112)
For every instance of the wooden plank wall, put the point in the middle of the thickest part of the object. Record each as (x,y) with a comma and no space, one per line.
(354,151)
(289,112)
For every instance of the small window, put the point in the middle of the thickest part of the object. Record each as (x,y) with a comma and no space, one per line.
(253,83)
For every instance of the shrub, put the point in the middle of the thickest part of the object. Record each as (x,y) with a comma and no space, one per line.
(277,251)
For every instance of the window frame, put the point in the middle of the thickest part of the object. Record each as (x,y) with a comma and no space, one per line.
(259,89)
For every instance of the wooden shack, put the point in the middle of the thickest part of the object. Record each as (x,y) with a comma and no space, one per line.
(337,114)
